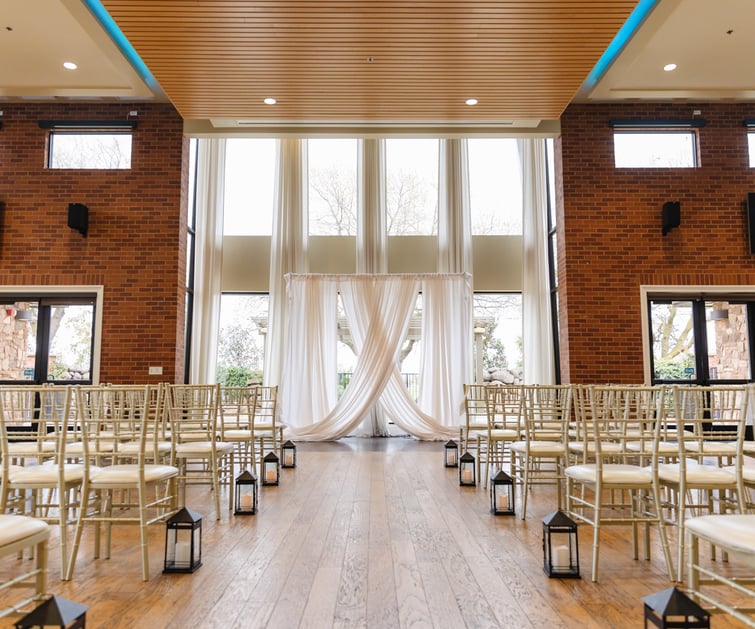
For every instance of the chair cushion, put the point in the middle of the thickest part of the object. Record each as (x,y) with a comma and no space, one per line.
(129,474)
(30,448)
(502,434)
(237,434)
(14,528)
(46,475)
(202,448)
(697,475)
(539,448)
(613,474)
(733,532)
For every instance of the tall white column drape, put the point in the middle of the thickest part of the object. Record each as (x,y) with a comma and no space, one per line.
(539,367)
(288,247)
(454,213)
(378,310)
(208,259)
(371,244)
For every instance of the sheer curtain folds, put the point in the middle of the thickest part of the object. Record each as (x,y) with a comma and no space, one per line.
(288,246)
(539,366)
(209,257)
(378,311)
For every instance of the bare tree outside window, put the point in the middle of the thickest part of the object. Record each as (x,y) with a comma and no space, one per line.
(103,151)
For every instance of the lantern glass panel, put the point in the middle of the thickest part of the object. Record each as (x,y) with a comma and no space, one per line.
(451,454)
(245,499)
(467,470)
(289,454)
(270,469)
(502,494)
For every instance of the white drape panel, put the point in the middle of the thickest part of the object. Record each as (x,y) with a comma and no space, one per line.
(378,310)
(454,218)
(371,245)
(446,363)
(539,367)
(311,365)
(371,221)
(208,259)
(288,247)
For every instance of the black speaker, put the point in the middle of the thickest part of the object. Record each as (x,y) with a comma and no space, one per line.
(751,220)
(672,216)
(78,218)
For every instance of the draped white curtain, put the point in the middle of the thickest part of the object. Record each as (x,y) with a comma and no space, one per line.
(288,246)
(208,259)
(539,367)
(454,217)
(371,245)
(378,311)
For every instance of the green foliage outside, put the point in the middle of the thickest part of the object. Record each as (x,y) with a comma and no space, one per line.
(237,376)
(673,368)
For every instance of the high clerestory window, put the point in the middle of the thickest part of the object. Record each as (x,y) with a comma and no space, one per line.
(90,150)
(656,144)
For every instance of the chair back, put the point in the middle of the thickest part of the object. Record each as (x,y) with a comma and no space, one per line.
(505,406)
(266,406)
(710,421)
(547,412)
(36,419)
(193,412)
(237,408)
(115,423)
(475,407)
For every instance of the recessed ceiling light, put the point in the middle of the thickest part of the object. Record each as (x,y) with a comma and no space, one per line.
(70,65)
(471,101)
(669,67)
(270,101)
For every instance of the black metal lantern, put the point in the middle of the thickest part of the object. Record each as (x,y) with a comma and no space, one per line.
(560,546)
(672,608)
(451,453)
(183,542)
(270,469)
(289,454)
(55,612)
(467,470)
(501,494)
(245,499)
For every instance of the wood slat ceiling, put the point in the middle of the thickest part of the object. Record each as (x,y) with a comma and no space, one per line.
(370,61)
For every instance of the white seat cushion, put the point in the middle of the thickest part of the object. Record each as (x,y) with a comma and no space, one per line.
(202,448)
(237,434)
(733,532)
(503,434)
(539,448)
(613,473)
(14,528)
(30,448)
(697,475)
(128,474)
(46,475)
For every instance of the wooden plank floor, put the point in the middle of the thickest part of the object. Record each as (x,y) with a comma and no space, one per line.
(365,533)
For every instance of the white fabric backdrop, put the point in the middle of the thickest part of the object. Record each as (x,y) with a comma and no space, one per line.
(288,247)
(539,367)
(378,310)
(208,259)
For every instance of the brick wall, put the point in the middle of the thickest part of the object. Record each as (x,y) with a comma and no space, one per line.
(136,246)
(610,240)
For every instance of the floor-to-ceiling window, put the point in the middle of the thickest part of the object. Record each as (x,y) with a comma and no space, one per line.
(411,182)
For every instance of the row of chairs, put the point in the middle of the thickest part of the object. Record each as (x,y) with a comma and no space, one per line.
(101,455)
(633,455)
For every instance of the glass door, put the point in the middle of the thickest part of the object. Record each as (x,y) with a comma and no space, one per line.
(47,339)
(702,340)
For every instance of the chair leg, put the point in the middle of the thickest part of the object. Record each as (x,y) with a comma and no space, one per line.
(144,541)
(83,508)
